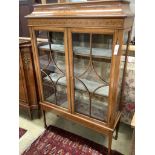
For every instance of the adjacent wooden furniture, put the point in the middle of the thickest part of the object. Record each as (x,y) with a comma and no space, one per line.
(28,98)
(80,63)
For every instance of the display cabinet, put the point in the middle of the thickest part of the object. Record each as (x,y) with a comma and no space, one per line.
(80,61)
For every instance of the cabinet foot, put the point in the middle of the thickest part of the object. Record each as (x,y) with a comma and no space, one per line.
(117,129)
(30,114)
(109,144)
(44,116)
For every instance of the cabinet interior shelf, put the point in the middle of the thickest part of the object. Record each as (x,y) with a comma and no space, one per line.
(91,85)
(79,50)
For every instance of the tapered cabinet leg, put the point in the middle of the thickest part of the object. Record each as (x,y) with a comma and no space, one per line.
(44,116)
(117,129)
(30,114)
(109,143)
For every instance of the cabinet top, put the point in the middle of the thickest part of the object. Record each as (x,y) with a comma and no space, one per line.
(92,9)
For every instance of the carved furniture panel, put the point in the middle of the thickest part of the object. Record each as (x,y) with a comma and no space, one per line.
(27,85)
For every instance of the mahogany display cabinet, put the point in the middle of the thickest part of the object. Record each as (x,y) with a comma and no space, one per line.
(80,61)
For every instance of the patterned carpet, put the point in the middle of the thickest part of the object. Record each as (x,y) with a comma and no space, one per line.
(56,141)
(21,132)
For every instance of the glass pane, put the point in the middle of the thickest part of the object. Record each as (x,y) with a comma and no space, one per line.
(122,66)
(92,60)
(52,64)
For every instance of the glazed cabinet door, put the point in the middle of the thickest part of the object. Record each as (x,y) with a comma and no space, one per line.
(90,58)
(53,66)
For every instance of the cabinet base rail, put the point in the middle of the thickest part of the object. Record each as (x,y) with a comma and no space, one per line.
(93,125)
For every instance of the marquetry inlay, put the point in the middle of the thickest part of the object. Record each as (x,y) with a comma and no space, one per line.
(77,22)
(26,59)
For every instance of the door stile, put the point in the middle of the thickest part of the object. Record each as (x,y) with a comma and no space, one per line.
(114,77)
(66,44)
(111,78)
(37,67)
(70,47)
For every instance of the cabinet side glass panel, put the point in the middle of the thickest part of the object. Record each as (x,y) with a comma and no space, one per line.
(124,61)
(92,61)
(51,53)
